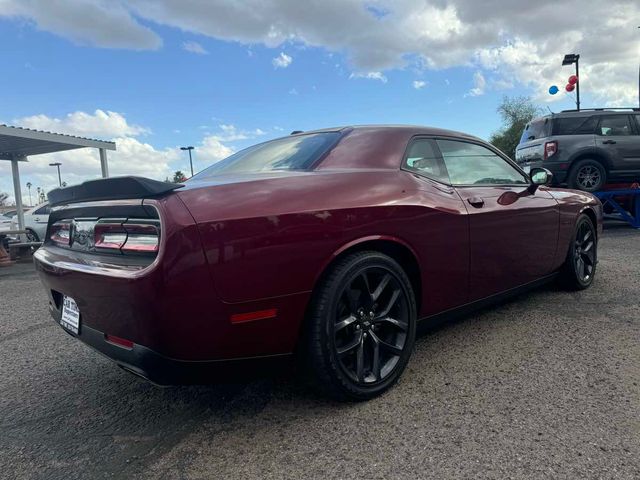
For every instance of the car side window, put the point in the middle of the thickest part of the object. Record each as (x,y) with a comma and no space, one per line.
(614,125)
(423,158)
(472,164)
(44,210)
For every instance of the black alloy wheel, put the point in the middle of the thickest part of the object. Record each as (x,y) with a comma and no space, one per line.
(371,324)
(584,251)
(579,268)
(362,327)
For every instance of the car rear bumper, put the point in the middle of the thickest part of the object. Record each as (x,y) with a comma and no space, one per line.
(162,370)
(178,327)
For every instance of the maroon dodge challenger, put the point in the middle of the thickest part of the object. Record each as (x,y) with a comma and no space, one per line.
(331,245)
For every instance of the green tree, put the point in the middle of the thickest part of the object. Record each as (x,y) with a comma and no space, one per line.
(515,112)
(3,198)
(179,177)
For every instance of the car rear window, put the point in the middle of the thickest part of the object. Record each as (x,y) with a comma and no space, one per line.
(298,152)
(535,129)
(574,125)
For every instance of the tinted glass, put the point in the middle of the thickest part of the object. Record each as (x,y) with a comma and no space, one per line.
(535,129)
(470,164)
(614,125)
(45,210)
(574,126)
(290,153)
(422,158)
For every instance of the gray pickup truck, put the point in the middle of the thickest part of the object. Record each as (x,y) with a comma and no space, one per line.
(584,149)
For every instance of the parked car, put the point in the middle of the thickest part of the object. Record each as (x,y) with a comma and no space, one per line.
(584,149)
(331,244)
(5,222)
(35,222)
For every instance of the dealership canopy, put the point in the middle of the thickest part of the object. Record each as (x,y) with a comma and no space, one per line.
(17,144)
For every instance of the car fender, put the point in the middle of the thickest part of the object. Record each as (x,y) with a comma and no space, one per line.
(359,241)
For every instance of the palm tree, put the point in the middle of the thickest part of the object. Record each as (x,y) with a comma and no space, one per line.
(29,188)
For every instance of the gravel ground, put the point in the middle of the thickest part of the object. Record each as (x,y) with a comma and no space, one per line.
(545,386)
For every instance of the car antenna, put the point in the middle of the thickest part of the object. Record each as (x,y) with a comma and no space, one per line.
(550,111)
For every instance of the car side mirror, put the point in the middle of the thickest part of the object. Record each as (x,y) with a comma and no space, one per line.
(540,176)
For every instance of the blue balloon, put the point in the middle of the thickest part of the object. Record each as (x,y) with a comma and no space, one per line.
(553,90)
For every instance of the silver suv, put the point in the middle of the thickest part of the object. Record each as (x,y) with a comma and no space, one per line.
(584,149)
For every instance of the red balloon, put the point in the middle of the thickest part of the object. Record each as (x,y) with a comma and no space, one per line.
(573,80)
(569,87)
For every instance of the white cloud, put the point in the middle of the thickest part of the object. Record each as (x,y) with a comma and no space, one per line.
(370,75)
(229,133)
(479,85)
(418,84)
(517,41)
(94,22)
(99,124)
(194,47)
(293,91)
(282,61)
(132,157)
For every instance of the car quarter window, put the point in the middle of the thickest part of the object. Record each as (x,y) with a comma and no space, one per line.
(614,125)
(472,164)
(423,158)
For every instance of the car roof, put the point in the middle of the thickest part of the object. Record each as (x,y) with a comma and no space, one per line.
(405,129)
(587,112)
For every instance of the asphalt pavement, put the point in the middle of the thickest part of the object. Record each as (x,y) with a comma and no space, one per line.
(544,386)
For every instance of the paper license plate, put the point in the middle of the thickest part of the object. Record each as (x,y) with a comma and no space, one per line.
(70,315)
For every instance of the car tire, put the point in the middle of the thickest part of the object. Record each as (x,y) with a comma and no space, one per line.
(579,267)
(587,175)
(361,327)
(32,236)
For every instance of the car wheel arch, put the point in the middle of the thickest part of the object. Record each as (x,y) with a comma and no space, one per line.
(589,212)
(592,154)
(394,247)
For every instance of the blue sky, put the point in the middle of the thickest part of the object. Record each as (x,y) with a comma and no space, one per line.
(163,79)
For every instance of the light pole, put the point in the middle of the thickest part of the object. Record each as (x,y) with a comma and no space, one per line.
(569,59)
(57,164)
(190,159)
(29,188)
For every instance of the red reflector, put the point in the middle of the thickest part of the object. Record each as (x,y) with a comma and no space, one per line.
(251,316)
(121,342)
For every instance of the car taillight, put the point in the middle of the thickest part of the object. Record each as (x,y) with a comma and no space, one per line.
(61,233)
(141,238)
(126,236)
(550,149)
(109,236)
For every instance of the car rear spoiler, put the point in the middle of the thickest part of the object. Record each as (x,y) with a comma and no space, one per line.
(117,188)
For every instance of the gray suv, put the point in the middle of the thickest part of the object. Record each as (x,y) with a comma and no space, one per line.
(584,149)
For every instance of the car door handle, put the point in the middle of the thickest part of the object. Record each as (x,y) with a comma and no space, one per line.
(36,219)
(608,142)
(476,201)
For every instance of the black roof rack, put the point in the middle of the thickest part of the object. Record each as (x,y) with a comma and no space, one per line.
(606,109)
